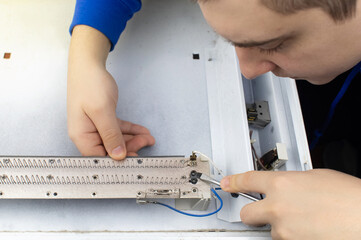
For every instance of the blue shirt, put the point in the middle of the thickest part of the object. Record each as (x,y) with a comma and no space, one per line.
(108,16)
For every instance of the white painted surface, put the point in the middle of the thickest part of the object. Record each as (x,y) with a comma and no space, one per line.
(161,87)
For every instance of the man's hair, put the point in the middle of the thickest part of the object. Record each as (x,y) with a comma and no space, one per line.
(339,10)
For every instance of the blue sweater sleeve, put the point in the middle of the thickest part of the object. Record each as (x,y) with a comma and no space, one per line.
(107,16)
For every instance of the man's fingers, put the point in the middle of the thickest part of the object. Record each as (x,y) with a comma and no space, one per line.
(255,213)
(90,144)
(253,181)
(132,154)
(107,125)
(131,128)
(136,143)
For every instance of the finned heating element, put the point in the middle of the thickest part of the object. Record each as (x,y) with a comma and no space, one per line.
(102,177)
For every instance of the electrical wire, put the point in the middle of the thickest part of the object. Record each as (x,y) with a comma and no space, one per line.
(255,156)
(319,132)
(211,162)
(195,215)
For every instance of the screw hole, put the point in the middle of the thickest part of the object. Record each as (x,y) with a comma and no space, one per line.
(196,56)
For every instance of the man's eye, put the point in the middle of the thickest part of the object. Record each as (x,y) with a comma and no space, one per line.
(271,50)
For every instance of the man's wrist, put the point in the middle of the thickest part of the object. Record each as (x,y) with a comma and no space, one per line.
(88,45)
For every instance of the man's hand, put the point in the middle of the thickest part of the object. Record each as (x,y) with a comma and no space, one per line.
(316,204)
(92,99)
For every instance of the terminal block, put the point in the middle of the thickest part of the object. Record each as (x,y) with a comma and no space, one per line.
(258,114)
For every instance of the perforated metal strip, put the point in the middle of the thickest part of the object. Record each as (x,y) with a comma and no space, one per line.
(88,177)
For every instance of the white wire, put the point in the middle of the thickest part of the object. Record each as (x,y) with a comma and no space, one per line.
(210,161)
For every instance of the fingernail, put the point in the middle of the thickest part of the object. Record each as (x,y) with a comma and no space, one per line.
(118,151)
(225,182)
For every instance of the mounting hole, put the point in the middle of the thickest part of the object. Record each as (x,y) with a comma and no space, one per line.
(55,194)
(48,194)
(94,194)
(139,161)
(194,190)
(1,193)
(196,56)
(96,161)
(95,177)
(139,177)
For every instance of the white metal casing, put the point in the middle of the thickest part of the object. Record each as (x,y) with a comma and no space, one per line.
(187,104)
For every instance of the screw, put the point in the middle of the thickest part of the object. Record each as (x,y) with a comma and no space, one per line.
(139,161)
(193,181)
(194,190)
(193,173)
(51,161)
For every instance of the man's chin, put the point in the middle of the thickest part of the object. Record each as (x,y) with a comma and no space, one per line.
(315,81)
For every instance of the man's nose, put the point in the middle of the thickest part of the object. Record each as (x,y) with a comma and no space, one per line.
(253,63)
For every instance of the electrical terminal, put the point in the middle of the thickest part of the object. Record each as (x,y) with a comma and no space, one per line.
(275,158)
(258,114)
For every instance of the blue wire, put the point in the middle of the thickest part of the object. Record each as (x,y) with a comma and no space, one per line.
(346,84)
(196,215)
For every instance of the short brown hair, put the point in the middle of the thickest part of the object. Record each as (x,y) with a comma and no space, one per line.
(339,10)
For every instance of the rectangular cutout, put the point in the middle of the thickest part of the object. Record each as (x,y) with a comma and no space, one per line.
(7,55)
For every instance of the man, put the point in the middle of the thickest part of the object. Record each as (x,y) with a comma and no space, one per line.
(313,40)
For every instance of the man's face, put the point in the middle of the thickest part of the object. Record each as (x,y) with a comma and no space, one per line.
(305,45)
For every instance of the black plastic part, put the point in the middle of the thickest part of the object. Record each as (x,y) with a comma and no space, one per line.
(235,195)
(194,175)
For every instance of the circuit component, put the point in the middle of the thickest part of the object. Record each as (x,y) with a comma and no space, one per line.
(274,158)
(258,114)
(90,177)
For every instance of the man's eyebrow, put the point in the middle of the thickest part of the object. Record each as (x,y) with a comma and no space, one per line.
(248,44)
